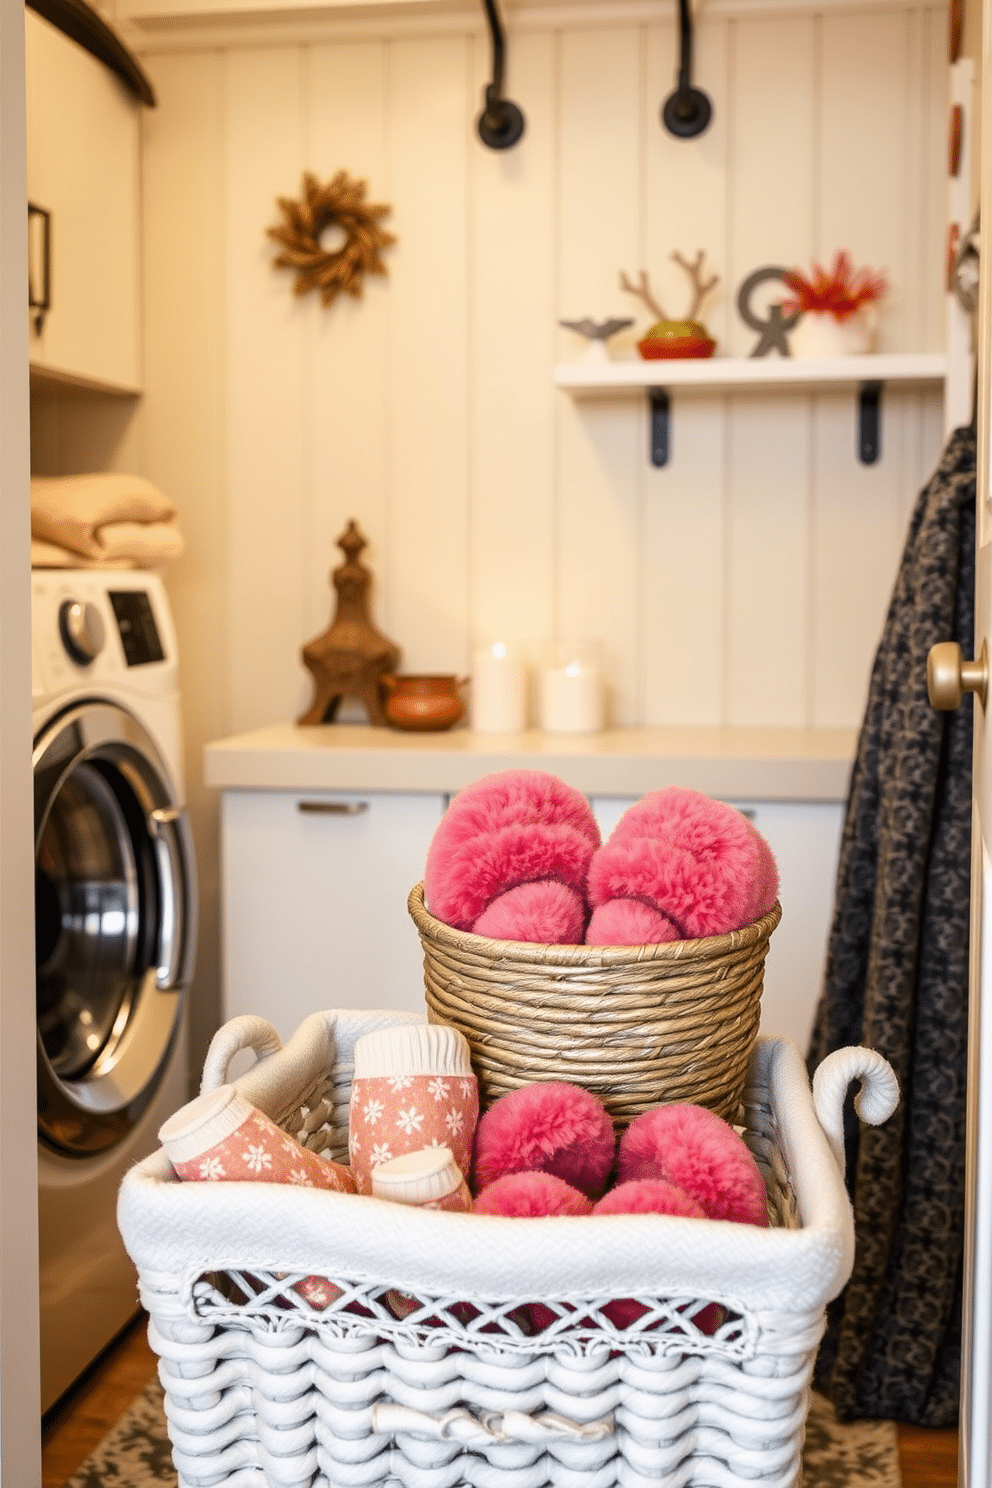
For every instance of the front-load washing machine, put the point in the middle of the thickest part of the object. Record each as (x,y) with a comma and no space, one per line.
(115,932)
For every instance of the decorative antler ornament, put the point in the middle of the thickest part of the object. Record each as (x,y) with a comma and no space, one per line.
(700,287)
(340,203)
(642,292)
(675,338)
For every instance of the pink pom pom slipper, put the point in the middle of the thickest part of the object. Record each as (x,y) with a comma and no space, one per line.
(679,866)
(549,1127)
(510,858)
(531,1196)
(697,1151)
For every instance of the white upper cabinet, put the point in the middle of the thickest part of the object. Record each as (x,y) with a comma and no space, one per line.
(83,171)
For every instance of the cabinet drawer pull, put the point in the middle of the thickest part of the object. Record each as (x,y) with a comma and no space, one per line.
(40,258)
(333,808)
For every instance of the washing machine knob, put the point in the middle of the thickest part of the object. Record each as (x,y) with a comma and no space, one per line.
(81,629)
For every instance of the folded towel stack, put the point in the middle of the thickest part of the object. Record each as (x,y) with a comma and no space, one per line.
(105,520)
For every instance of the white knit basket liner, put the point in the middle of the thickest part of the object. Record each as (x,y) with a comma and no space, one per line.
(265,1393)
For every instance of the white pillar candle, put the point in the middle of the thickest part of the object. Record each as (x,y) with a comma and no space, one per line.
(499,690)
(572,698)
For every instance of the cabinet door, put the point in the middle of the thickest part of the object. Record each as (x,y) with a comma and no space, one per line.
(83,168)
(805,838)
(314,897)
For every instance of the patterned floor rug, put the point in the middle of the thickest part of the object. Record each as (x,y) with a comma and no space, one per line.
(136,1454)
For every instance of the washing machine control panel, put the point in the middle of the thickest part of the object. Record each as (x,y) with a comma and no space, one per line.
(136,624)
(81,629)
(101,630)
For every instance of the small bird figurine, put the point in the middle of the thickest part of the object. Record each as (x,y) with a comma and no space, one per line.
(597,333)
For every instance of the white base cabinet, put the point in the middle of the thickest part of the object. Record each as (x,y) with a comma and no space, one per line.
(314,894)
(805,838)
(315,885)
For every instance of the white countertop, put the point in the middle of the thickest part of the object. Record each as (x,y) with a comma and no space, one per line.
(764,764)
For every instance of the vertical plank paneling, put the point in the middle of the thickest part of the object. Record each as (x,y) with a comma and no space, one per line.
(182,439)
(772,189)
(511,521)
(772,177)
(767,631)
(429,136)
(683,546)
(856,539)
(930,224)
(601,448)
(684,567)
(685,188)
(426,409)
(869,115)
(929,85)
(266,389)
(347,343)
(867,143)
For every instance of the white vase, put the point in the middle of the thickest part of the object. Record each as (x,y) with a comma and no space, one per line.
(820,335)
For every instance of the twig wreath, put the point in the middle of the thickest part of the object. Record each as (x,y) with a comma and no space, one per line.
(340,203)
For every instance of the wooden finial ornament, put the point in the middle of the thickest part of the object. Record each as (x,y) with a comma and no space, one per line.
(351,656)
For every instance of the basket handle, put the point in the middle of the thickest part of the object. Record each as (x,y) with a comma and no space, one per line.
(874,1103)
(246,1032)
(488,1427)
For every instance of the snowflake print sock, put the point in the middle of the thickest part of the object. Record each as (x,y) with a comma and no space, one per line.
(221,1138)
(413,1087)
(428,1179)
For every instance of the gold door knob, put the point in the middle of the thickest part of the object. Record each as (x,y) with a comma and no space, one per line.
(949,678)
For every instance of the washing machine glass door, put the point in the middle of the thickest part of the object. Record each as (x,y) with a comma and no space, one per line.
(114,924)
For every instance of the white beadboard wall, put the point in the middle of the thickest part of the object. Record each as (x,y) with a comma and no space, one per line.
(744,583)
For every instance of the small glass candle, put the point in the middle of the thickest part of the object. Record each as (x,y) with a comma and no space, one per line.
(499,690)
(572,690)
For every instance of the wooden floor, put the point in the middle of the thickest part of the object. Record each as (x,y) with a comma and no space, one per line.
(76,1423)
(70,1431)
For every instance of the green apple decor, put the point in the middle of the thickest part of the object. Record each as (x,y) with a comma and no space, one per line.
(675,338)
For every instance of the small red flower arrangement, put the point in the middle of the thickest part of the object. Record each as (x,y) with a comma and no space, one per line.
(839,292)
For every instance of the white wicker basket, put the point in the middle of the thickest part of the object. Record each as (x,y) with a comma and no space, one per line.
(264,1391)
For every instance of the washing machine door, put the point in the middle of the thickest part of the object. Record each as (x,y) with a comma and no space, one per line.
(115,931)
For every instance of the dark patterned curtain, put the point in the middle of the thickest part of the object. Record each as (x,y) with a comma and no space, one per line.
(897,981)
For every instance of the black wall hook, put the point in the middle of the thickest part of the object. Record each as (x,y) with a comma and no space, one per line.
(501,123)
(687,111)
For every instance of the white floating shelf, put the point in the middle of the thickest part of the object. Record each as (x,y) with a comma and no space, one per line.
(596,376)
(718,374)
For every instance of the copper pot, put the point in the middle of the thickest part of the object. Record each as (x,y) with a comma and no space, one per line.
(422,702)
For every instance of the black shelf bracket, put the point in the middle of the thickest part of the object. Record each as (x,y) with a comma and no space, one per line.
(870,422)
(660,425)
(869,431)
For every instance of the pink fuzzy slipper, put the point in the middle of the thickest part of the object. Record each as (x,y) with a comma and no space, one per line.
(546,913)
(649,1196)
(495,801)
(700,1153)
(513,830)
(549,1127)
(530,1195)
(679,866)
(652,1196)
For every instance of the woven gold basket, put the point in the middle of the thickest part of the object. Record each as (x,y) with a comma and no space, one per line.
(636,1025)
